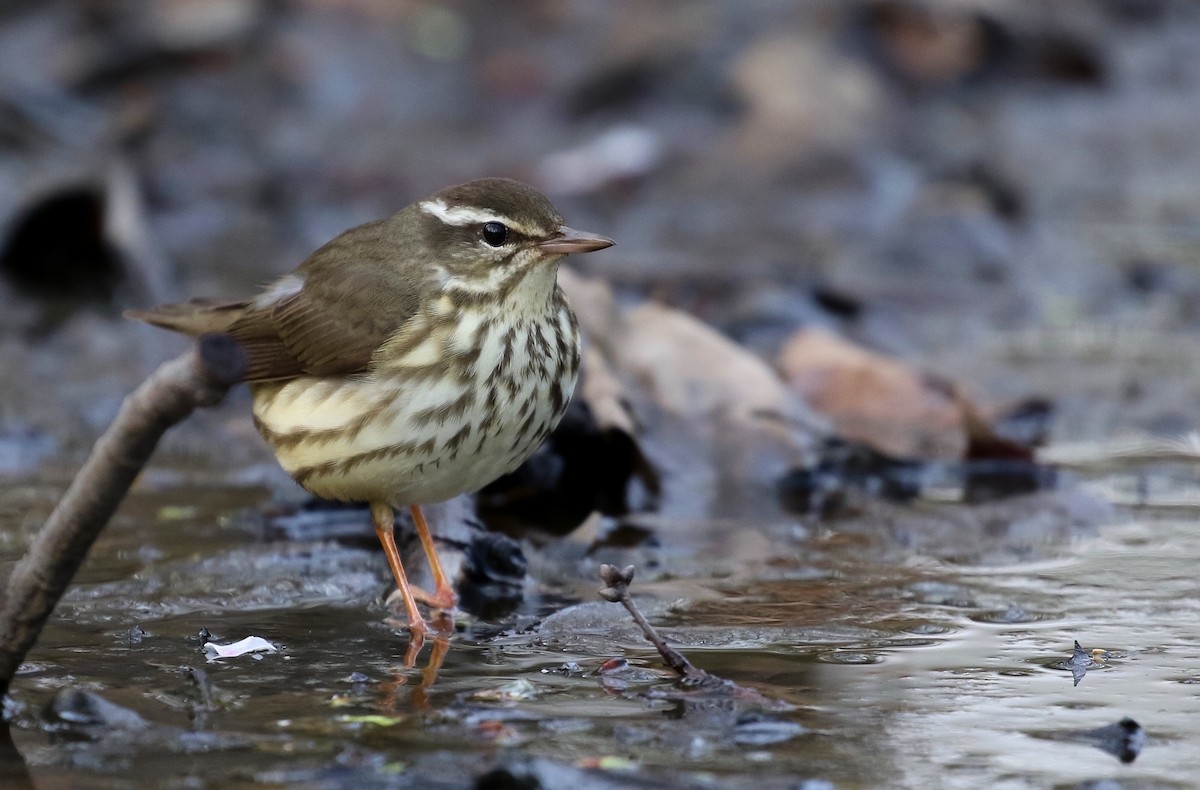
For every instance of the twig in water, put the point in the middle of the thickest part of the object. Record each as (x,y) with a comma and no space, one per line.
(617,591)
(201,377)
(692,678)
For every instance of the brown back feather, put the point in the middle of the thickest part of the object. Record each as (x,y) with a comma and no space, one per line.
(359,289)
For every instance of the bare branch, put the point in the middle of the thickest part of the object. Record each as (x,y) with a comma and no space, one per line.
(201,377)
(617,583)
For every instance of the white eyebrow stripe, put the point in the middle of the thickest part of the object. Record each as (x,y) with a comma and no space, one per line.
(462,216)
(459,216)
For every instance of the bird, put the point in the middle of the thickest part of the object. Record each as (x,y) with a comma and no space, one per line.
(411,359)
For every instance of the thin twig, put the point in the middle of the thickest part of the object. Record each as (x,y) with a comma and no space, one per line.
(201,377)
(617,591)
(692,678)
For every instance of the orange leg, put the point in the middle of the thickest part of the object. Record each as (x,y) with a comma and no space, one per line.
(384,520)
(443,594)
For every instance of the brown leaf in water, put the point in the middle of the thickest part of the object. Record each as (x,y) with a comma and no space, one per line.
(690,369)
(655,359)
(873,398)
(695,372)
(719,393)
(888,405)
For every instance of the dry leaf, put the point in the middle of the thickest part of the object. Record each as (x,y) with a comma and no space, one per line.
(873,398)
(704,396)
(693,371)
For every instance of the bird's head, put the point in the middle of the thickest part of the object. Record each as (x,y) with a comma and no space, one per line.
(494,231)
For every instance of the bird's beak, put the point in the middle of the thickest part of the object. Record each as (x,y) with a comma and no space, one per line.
(570,240)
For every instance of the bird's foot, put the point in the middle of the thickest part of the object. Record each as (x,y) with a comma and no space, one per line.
(439,629)
(443,598)
(416,641)
(441,606)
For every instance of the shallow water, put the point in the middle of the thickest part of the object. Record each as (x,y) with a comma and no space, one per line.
(890,665)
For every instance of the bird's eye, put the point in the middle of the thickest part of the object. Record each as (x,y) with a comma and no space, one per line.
(495,233)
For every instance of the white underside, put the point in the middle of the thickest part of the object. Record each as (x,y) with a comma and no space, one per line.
(309,404)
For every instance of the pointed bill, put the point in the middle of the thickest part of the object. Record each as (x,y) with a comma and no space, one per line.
(570,240)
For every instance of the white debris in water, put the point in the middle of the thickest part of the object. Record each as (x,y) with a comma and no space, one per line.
(251,644)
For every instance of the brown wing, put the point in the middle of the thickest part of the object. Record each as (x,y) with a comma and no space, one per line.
(326,319)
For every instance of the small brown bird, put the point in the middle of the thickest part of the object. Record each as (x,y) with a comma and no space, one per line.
(414,358)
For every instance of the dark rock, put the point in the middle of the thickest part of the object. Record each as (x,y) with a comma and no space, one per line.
(87,714)
(580,469)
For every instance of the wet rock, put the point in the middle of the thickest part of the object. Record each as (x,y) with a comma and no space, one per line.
(844,468)
(1123,739)
(538,773)
(582,468)
(87,714)
(758,729)
(516,691)
(592,616)
(493,578)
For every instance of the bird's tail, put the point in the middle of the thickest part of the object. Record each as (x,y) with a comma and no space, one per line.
(194,317)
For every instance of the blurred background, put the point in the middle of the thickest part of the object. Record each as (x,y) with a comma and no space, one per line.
(962,183)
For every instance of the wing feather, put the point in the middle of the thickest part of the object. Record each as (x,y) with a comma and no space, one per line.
(327,318)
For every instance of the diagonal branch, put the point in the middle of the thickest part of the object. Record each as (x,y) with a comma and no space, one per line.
(617,583)
(200,377)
